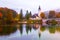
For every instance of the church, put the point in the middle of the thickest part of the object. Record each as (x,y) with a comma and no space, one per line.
(36,16)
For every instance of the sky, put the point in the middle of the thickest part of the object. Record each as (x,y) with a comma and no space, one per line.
(31,5)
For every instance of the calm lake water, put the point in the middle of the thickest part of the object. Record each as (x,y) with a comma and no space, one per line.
(29,32)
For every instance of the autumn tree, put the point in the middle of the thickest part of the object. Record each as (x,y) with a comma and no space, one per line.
(8,14)
(1,15)
(42,15)
(58,15)
(51,14)
(17,17)
(6,11)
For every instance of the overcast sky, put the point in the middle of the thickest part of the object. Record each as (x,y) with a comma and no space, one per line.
(31,5)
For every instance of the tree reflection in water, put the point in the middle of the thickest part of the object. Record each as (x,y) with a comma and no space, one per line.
(52,29)
(58,28)
(39,34)
(28,28)
(21,28)
(42,28)
(7,29)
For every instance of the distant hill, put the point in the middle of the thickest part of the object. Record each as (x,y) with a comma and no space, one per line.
(57,10)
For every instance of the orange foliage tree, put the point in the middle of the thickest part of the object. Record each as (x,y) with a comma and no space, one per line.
(58,15)
(51,14)
(42,15)
(6,13)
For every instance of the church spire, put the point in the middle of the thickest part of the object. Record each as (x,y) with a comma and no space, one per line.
(39,8)
(39,12)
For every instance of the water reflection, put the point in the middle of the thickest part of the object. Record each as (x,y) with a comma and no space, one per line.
(52,29)
(34,31)
(58,29)
(35,26)
(21,28)
(28,28)
(7,29)
(39,35)
(42,28)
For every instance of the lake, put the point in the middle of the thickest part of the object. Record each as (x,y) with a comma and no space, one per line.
(29,32)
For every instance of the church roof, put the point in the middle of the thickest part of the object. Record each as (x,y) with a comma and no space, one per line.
(34,16)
